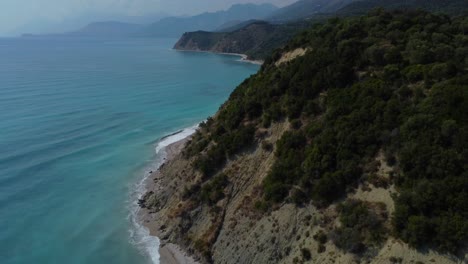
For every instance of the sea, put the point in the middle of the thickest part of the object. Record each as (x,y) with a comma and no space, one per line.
(82,122)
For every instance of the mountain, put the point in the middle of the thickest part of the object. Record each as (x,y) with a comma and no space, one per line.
(155,25)
(108,29)
(446,6)
(69,24)
(307,8)
(257,39)
(234,25)
(176,26)
(348,146)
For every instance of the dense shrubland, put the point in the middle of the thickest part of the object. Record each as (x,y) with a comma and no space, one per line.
(391,82)
(360,228)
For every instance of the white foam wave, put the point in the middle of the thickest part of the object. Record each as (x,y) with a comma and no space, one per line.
(175,137)
(139,234)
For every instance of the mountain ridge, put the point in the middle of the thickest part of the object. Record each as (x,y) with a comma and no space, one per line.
(175,27)
(170,26)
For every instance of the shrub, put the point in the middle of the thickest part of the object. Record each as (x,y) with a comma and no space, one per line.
(213,191)
(321,248)
(360,228)
(296,124)
(306,255)
(321,237)
(267,146)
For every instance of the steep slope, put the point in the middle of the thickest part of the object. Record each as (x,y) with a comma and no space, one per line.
(446,6)
(348,146)
(230,27)
(176,26)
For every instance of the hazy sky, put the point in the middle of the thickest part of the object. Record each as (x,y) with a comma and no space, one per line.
(15,14)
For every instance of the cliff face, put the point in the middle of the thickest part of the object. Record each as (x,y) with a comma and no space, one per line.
(346,147)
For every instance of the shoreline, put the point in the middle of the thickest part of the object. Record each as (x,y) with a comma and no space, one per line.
(169,253)
(244,57)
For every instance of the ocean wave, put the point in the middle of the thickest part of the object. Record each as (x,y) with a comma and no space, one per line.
(139,234)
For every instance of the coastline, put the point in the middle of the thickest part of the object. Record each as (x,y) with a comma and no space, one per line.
(244,57)
(169,253)
(156,185)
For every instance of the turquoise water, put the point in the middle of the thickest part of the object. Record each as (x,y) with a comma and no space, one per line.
(79,124)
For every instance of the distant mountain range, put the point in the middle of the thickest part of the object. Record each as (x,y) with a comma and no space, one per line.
(176,26)
(109,28)
(106,29)
(70,24)
(241,16)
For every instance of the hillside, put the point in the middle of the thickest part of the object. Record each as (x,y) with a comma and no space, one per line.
(446,6)
(233,26)
(176,26)
(256,40)
(347,146)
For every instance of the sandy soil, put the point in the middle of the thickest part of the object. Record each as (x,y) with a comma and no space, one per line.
(289,56)
(173,254)
(244,58)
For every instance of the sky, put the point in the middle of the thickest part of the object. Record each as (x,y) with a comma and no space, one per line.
(20,15)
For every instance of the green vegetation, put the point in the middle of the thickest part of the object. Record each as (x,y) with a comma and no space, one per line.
(394,82)
(306,255)
(213,191)
(287,170)
(360,227)
(447,6)
(227,144)
(256,39)
(322,238)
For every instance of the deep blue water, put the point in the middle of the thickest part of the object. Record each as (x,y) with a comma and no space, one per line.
(79,123)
